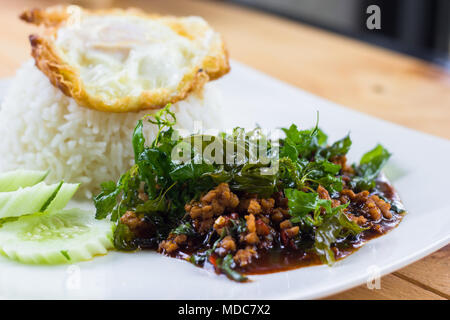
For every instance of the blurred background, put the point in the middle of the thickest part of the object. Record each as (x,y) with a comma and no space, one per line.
(417,27)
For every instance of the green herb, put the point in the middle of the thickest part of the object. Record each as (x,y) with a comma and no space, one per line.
(369,168)
(201,257)
(330,224)
(226,265)
(184,228)
(124,239)
(302,143)
(339,148)
(322,172)
(307,207)
(138,139)
(239,226)
(106,200)
(333,229)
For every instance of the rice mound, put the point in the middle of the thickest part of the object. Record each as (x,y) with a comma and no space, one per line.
(41,128)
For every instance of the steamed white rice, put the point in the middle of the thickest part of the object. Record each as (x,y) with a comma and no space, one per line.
(41,128)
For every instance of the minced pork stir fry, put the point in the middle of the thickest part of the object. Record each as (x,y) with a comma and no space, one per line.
(297,204)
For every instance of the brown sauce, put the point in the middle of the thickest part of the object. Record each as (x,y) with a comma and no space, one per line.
(283,259)
(277,260)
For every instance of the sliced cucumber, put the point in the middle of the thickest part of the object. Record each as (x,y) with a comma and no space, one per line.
(56,237)
(27,200)
(13,180)
(63,196)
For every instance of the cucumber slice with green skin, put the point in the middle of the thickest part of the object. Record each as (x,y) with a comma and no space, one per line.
(56,237)
(13,180)
(63,196)
(27,200)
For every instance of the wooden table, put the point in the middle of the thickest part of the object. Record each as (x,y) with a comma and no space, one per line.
(382,83)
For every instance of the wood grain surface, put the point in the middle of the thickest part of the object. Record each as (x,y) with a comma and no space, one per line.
(366,78)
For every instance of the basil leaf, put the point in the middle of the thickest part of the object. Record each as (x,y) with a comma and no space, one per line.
(226,264)
(138,139)
(369,168)
(184,228)
(339,148)
(106,200)
(333,229)
(300,203)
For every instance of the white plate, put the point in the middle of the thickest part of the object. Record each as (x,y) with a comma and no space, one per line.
(419,169)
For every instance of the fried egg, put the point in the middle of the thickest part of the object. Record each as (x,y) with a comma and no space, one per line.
(125,60)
